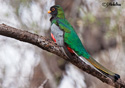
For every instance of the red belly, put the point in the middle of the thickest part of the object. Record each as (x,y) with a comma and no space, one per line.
(53,37)
(69,49)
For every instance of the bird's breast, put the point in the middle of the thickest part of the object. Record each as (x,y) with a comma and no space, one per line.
(57,35)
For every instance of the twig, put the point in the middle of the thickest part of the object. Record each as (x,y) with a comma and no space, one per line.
(52,47)
(43,84)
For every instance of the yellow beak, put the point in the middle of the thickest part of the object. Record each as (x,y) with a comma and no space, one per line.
(49,12)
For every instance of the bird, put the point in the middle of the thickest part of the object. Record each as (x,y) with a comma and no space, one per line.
(63,33)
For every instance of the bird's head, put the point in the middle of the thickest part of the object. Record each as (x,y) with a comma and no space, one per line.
(57,11)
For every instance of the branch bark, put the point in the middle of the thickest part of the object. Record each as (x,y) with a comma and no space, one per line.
(52,47)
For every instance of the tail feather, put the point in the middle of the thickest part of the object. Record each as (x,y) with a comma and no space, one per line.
(103,70)
(93,62)
(99,66)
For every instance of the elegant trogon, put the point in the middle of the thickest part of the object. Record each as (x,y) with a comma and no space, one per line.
(65,36)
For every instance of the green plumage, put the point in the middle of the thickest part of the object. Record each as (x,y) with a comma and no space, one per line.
(70,36)
(72,40)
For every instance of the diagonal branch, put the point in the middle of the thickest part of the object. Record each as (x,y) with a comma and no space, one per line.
(52,47)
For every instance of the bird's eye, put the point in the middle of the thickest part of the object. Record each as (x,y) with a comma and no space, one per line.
(53,9)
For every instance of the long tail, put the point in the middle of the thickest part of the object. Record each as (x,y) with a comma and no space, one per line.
(103,70)
(98,66)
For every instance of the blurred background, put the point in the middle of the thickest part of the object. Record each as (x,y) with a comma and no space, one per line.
(100,28)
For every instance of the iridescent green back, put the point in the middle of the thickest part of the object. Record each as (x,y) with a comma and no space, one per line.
(71,38)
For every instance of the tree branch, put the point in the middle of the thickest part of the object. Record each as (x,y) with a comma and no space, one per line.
(52,47)
(43,84)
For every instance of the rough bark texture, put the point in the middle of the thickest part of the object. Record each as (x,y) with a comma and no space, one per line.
(52,47)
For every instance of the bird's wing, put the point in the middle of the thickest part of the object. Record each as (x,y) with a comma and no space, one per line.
(72,39)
